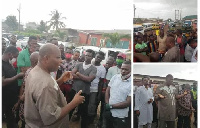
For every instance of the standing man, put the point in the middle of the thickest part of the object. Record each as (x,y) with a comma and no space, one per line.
(67,65)
(143,104)
(54,41)
(121,57)
(45,105)
(181,41)
(9,85)
(194,101)
(185,108)
(76,55)
(152,44)
(109,63)
(173,52)
(166,96)
(161,40)
(23,60)
(3,45)
(96,86)
(84,73)
(118,97)
(13,41)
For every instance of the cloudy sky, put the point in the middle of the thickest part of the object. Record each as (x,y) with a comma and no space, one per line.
(80,14)
(182,71)
(164,8)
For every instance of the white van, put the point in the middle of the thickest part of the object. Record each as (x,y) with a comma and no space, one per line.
(107,51)
(138,28)
(147,26)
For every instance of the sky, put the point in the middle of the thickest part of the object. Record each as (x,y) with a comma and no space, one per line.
(164,8)
(181,71)
(80,14)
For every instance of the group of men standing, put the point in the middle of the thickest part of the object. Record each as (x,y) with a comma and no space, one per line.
(50,82)
(165,47)
(170,102)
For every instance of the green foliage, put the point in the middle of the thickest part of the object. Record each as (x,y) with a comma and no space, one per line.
(42,27)
(55,20)
(114,38)
(29,32)
(60,34)
(11,21)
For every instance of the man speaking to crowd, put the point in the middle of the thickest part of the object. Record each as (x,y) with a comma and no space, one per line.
(45,105)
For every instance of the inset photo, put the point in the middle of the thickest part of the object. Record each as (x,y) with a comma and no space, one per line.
(165,96)
(165,31)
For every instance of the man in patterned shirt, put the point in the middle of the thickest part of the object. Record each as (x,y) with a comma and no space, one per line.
(185,108)
(166,95)
(67,65)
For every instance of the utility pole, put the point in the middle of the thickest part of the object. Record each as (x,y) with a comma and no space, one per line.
(19,9)
(134,9)
(176,14)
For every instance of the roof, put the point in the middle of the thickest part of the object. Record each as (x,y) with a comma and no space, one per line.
(190,17)
(119,31)
(164,77)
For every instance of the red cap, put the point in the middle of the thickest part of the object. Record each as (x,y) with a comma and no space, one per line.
(122,55)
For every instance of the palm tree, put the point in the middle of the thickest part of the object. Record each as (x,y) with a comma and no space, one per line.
(55,21)
(114,38)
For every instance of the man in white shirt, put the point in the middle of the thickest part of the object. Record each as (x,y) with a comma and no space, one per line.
(115,69)
(143,104)
(118,97)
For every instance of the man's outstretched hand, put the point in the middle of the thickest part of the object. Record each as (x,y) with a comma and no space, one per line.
(78,99)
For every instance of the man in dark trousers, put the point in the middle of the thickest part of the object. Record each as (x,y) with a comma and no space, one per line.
(9,85)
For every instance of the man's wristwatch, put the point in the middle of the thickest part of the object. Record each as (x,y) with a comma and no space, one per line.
(111,107)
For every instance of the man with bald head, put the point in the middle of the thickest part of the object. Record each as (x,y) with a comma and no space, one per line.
(45,105)
(173,52)
(167,95)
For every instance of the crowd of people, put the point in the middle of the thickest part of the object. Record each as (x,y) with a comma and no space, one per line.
(168,46)
(50,85)
(161,106)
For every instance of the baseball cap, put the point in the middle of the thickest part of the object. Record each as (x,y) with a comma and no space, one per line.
(122,55)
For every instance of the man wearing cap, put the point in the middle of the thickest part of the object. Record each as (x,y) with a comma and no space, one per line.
(116,69)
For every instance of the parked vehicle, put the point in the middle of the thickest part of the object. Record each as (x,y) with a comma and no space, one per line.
(107,51)
(155,27)
(147,26)
(138,28)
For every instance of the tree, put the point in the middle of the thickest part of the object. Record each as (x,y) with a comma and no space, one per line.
(11,21)
(55,21)
(114,38)
(42,27)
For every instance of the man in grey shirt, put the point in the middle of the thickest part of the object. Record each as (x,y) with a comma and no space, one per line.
(84,73)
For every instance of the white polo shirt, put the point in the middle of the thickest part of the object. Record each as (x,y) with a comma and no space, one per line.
(119,91)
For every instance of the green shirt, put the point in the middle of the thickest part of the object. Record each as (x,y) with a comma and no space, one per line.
(194,92)
(23,60)
(141,46)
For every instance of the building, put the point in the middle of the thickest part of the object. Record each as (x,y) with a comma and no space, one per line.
(95,38)
(190,17)
(137,78)
(31,25)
